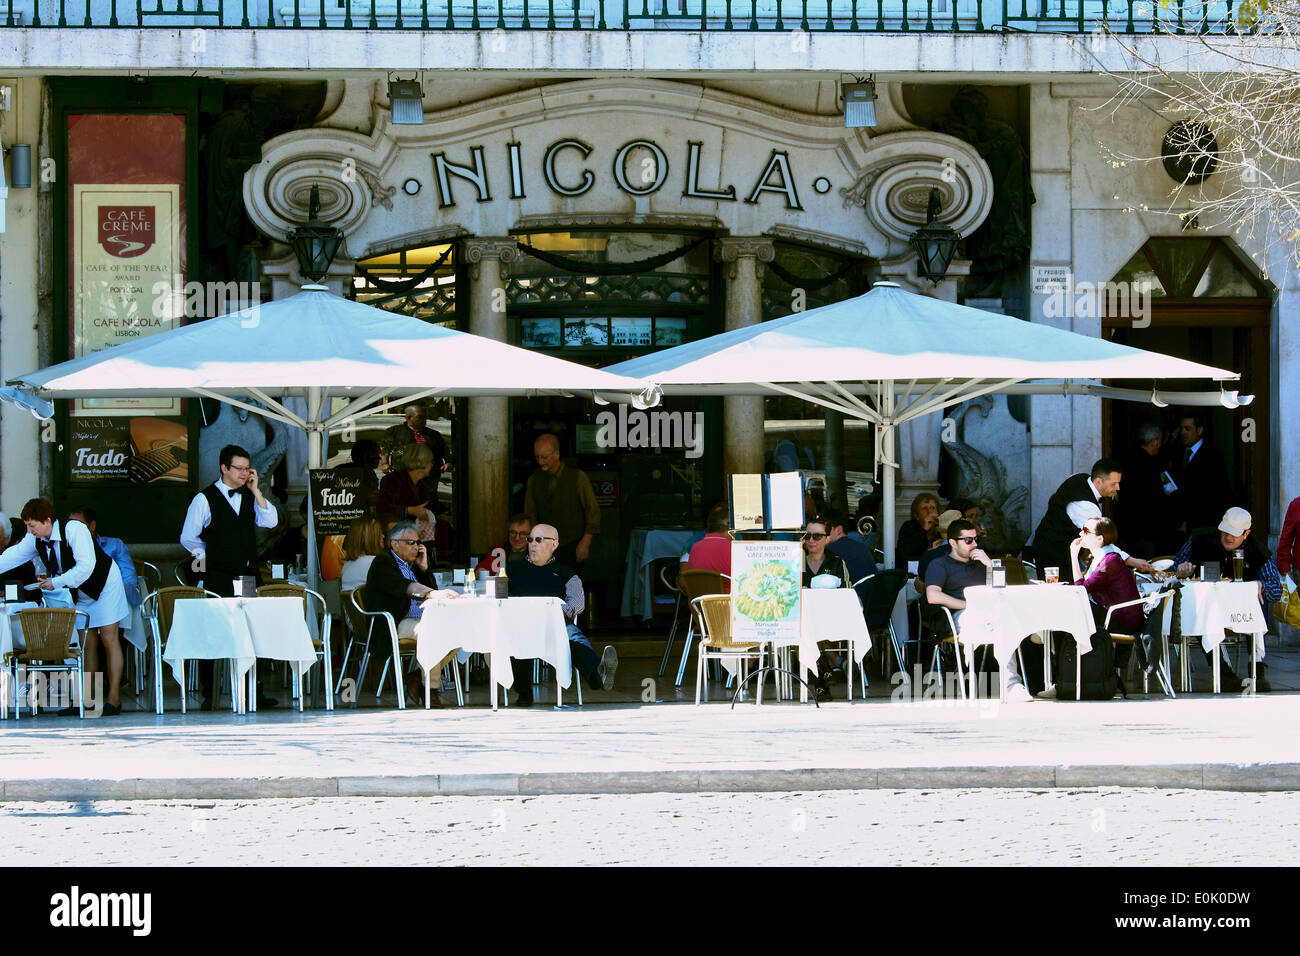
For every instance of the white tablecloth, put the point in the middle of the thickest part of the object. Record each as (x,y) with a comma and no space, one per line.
(522,627)
(830,614)
(1210,608)
(1006,616)
(643,549)
(242,630)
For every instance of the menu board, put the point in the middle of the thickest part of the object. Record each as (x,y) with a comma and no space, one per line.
(765,586)
(337,498)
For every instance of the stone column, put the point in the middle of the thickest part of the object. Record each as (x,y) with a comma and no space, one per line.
(486,473)
(742,441)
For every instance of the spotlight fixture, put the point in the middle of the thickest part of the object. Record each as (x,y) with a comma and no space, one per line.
(20,166)
(407,102)
(860,103)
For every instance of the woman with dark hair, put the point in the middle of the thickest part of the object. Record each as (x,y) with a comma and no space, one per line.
(1109,580)
(919,532)
(399,493)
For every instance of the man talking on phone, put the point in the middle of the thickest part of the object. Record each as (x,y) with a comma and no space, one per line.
(219,533)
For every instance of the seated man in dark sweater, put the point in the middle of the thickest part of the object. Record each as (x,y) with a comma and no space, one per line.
(543,576)
(1233,534)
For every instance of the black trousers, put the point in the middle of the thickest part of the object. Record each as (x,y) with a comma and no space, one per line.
(585,661)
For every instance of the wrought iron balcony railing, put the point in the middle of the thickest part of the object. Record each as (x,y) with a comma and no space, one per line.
(875,16)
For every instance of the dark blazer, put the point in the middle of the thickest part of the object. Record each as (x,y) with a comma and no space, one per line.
(1203,491)
(1055,531)
(386,586)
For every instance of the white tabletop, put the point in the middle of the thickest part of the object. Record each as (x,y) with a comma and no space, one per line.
(11,628)
(240,629)
(830,614)
(1211,608)
(520,627)
(1006,616)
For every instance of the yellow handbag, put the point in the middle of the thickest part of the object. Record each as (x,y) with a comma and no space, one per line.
(1287,608)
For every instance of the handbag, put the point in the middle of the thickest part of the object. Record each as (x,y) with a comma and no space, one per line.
(1287,608)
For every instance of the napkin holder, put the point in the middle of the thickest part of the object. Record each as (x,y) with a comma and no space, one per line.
(1210,571)
(11,594)
(497,587)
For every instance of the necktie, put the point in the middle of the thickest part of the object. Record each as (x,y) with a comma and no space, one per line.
(1187,458)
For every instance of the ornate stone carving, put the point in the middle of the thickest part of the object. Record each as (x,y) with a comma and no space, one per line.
(380,195)
(894,184)
(476,250)
(731,249)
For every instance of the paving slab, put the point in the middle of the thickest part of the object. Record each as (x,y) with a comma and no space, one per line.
(1224,742)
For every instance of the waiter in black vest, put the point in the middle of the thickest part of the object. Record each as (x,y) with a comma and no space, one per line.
(219,532)
(1064,517)
(70,558)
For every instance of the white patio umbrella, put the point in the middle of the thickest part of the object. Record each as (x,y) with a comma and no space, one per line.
(891,356)
(316,346)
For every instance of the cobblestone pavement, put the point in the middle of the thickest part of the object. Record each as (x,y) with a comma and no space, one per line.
(981,827)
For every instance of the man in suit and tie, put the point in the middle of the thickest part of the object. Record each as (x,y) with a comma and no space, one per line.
(1201,478)
(1064,516)
(219,533)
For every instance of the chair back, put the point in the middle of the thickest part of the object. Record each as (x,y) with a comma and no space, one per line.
(715,618)
(698,582)
(883,592)
(164,605)
(148,576)
(354,608)
(48,633)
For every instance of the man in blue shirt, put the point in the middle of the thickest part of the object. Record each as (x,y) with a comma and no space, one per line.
(116,549)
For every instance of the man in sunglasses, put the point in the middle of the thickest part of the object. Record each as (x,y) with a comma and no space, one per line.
(511,551)
(543,576)
(946,581)
(398,582)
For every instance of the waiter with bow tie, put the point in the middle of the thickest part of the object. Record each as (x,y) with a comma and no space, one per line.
(219,532)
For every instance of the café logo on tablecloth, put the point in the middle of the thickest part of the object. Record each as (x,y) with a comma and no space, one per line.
(127,231)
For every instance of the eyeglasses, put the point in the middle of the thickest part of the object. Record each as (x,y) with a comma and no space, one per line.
(406,541)
(540,540)
(816,536)
(519,534)
(240,467)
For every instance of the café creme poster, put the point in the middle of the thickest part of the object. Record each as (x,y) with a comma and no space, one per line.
(127,249)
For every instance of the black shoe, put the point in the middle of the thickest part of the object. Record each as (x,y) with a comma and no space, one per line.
(523,702)
(209,704)
(1262,686)
(1229,683)
(111,710)
(823,693)
(266,703)
(69,711)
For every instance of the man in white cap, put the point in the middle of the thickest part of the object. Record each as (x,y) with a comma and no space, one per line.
(1260,566)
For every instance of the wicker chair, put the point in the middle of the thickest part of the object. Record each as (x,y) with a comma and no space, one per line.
(158,609)
(697,582)
(53,638)
(714,612)
(321,615)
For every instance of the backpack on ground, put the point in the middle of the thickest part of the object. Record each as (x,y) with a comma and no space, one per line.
(1100,679)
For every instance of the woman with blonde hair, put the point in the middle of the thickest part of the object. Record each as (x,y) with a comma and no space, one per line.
(365,539)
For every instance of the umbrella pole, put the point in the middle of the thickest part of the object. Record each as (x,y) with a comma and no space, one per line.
(888,531)
(315,459)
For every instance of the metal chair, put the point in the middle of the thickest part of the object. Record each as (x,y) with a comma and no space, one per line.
(322,617)
(157,609)
(714,612)
(936,664)
(672,632)
(49,634)
(149,579)
(1155,603)
(879,608)
(697,582)
(363,620)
